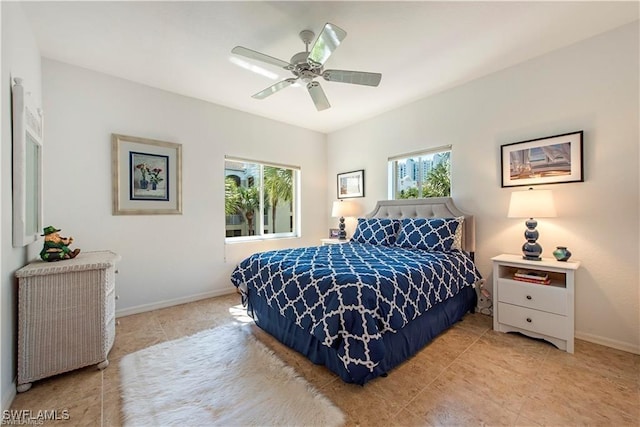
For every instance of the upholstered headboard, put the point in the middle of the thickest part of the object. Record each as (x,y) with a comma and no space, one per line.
(434,207)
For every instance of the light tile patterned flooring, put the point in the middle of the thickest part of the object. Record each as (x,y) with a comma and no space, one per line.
(470,375)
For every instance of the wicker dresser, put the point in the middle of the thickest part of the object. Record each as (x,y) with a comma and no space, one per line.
(66,315)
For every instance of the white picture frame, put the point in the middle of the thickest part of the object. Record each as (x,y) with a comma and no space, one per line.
(27,166)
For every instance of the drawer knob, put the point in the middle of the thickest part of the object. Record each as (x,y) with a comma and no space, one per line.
(528,296)
(529,319)
(117,296)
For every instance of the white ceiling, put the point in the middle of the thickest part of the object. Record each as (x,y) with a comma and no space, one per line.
(419,47)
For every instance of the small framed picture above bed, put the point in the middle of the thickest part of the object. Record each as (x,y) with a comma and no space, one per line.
(549,160)
(334,233)
(351,184)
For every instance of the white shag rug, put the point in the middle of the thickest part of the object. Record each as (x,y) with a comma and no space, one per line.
(218,377)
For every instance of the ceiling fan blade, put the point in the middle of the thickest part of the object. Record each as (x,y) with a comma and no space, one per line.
(273,89)
(353,77)
(318,96)
(328,40)
(252,54)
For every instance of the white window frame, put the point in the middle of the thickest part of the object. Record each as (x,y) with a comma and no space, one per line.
(392,168)
(296,205)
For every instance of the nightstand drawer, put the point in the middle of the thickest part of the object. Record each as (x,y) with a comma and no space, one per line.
(551,299)
(534,321)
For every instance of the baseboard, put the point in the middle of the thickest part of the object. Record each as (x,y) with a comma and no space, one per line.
(8,396)
(619,345)
(170,303)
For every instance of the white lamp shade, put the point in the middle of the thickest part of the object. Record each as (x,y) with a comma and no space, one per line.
(343,208)
(532,204)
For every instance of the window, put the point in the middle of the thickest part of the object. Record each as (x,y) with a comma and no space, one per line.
(252,188)
(421,174)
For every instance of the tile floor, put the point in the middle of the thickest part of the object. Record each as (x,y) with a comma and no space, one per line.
(469,375)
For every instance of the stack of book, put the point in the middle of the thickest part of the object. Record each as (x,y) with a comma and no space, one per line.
(532,276)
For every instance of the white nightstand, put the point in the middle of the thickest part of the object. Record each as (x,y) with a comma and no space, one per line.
(539,311)
(332,241)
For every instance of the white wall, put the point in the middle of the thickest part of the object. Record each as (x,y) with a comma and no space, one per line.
(593,86)
(165,258)
(20,58)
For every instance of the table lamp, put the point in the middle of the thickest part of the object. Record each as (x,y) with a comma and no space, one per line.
(528,204)
(340,210)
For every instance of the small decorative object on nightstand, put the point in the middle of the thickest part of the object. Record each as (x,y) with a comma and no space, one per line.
(536,308)
(66,315)
(562,253)
(527,204)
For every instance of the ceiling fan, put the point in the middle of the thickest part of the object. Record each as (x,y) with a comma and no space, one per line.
(308,65)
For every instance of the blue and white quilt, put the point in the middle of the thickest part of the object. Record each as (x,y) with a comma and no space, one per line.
(348,295)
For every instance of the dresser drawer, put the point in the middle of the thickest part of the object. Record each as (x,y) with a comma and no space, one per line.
(551,299)
(110,330)
(109,279)
(110,306)
(534,321)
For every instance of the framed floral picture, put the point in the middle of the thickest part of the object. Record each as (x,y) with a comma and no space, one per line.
(147,176)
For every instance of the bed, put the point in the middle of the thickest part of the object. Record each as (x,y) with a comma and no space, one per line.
(363,307)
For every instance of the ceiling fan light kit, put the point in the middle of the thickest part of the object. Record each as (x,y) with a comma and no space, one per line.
(308,65)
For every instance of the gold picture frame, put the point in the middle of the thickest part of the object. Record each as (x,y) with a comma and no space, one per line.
(147,176)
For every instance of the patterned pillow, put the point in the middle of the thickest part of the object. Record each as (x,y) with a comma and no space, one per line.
(457,238)
(431,234)
(376,231)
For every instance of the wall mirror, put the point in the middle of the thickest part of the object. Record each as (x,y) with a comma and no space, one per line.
(27,166)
